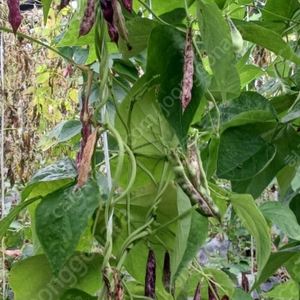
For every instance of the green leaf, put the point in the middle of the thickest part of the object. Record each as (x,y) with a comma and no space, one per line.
(216,37)
(32,278)
(196,237)
(68,212)
(242,154)
(213,154)
(286,141)
(240,294)
(46,7)
(255,223)
(62,132)
(286,176)
(48,179)
(224,284)
(176,16)
(283,102)
(139,31)
(277,10)
(248,73)
(266,38)
(183,226)
(74,294)
(149,130)
(283,217)
(249,107)
(275,261)
(5,223)
(293,114)
(293,267)
(166,46)
(286,291)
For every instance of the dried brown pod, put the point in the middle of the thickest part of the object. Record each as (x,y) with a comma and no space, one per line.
(88,19)
(119,21)
(188,72)
(127,5)
(150,275)
(197,295)
(245,283)
(14,15)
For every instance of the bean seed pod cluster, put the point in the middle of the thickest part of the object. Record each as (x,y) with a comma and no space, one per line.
(186,176)
(113,15)
(14,15)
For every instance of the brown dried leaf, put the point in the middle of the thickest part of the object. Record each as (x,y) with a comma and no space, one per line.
(84,168)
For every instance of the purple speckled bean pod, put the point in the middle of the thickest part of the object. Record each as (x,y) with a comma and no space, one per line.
(188,72)
(88,18)
(197,295)
(127,5)
(150,276)
(14,15)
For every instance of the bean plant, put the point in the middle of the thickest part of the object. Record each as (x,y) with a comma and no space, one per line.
(189,111)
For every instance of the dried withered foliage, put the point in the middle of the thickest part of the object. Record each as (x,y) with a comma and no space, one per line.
(29,115)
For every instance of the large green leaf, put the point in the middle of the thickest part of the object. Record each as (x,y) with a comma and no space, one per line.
(242,154)
(217,41)
(5,223)
(77,294)
(275,261)
(32,278)
(286,141)
(183,226)
(48,179)
(293,266)
(240,294)
(62,132)
(224,284)
(286,291)
(139,31)
(166,46)
(255,223)
(283,217)
(149,131)
(266,38)
(46,7)
(292,114)
(196,237)
(277,10)
(61,218)
(249,107)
